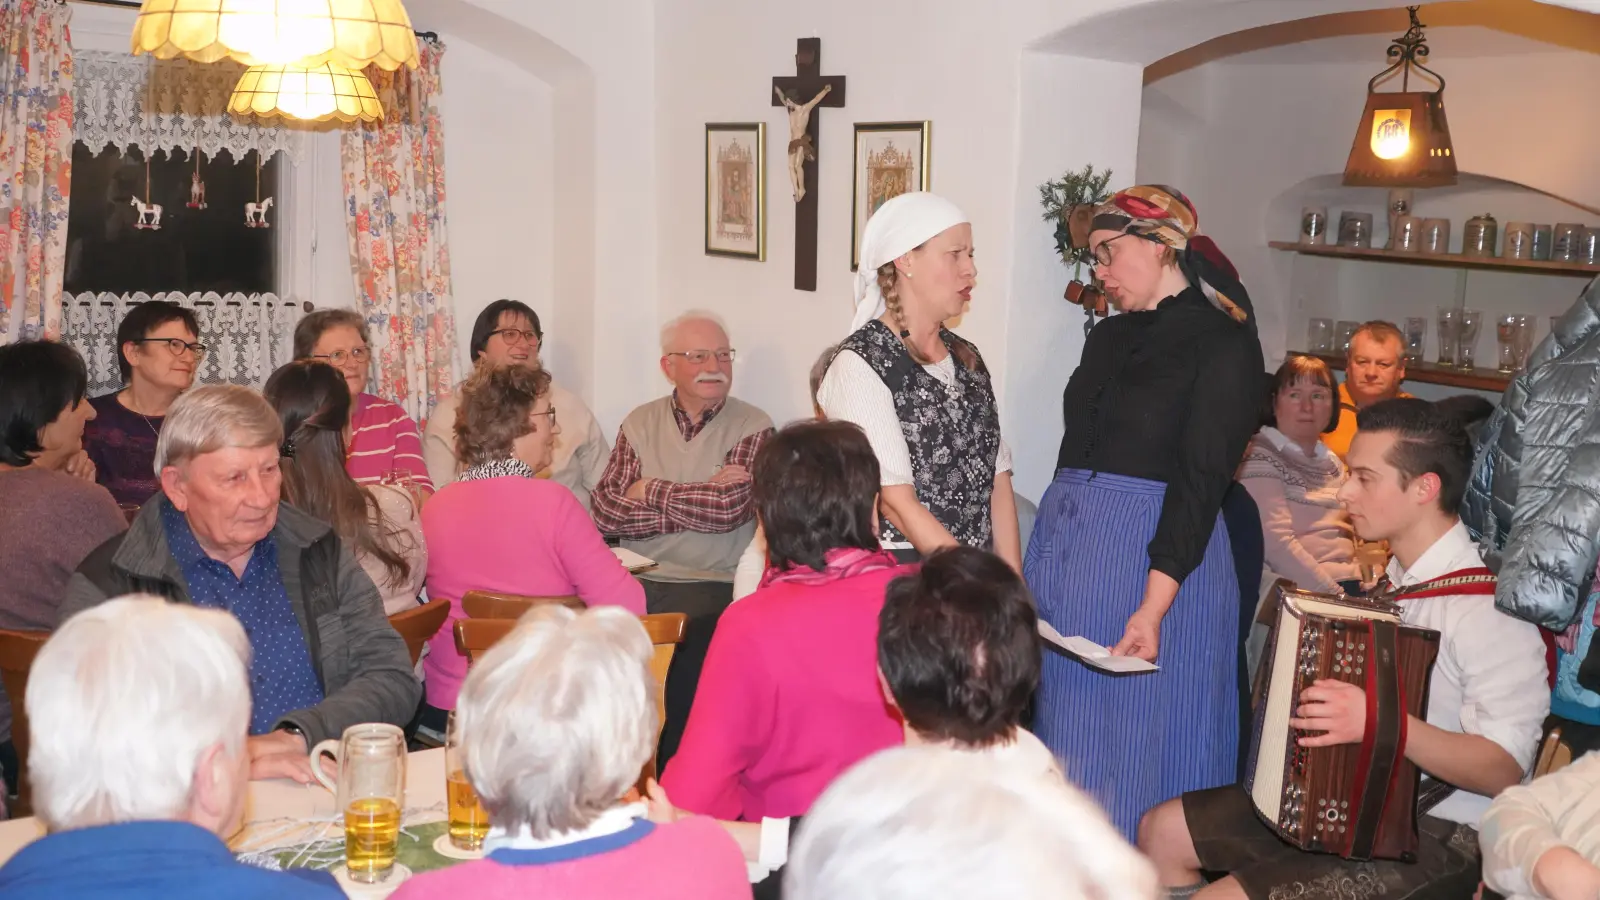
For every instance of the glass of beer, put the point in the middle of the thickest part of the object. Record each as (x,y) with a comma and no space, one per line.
(371,791)
(469,824)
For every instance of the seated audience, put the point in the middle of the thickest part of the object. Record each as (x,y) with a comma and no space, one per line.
(498,528)
(1295,479)
(139,762)
(677,490)
(934,824)
(1542,840)
(790,695)
(384,444)
(1375,365)
(556,721)
(218,536)
(1486,698)
(158,353)
(49,520)
(380,523)
(507,333)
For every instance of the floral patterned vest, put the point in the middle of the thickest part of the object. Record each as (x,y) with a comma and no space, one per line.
(952,431)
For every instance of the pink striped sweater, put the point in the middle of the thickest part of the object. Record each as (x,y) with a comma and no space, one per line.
(384,440)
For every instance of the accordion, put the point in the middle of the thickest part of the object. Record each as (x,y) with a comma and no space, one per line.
(1355,800)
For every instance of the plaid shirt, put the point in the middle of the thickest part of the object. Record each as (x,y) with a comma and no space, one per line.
(669,507)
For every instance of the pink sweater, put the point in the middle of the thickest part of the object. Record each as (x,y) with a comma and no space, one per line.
(692,859)
(520,535)
(383,439)
(788,699)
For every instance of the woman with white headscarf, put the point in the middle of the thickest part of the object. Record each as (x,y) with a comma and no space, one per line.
(922,394)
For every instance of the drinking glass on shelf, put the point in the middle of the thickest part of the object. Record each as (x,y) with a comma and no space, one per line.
(1525,325)
(1346,330)
(1508,334)
(1319,336)
(1449,319)
(469,824)
(1416,332)
(371,791)
(1467,344)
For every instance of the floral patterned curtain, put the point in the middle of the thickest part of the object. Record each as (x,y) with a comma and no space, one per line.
(35,163)
(394,197)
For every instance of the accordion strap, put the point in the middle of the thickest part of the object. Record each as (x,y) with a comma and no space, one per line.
(1475,581)
(1384,744)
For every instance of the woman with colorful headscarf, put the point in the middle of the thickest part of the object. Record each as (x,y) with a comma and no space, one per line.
(922,394)
(1129,549)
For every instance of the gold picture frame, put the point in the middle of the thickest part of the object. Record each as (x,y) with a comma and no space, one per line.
(891,159)
(736,190)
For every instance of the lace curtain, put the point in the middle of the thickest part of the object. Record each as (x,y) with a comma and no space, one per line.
(172,105)
(246,336)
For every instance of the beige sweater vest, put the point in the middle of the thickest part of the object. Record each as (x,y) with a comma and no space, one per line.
(663,453)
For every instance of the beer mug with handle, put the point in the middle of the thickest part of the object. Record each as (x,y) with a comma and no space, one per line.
(371,791)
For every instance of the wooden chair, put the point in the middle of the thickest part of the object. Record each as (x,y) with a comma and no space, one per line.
(498,605)
(17,650)
(1554,754)
(416,626)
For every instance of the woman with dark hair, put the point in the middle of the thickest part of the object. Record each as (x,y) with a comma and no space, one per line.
(1129,549)
(378,522)
(158,354)
(49,520)
(497,527)
(384,445)
(1295,479)
(789,695)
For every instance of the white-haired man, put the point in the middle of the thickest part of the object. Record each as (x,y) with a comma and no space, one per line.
(325,658)
(677,489)
(139,709)
(942,824)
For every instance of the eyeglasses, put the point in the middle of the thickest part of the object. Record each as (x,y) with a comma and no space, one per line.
(337,357)
(178,346)
(699,357)
(551,412)
(1102,253)
(515,335)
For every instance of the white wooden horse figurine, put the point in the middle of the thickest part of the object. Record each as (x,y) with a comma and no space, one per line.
(152,211)
(197,192)
(255,214)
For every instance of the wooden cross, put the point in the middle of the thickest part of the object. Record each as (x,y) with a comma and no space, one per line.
(801,89)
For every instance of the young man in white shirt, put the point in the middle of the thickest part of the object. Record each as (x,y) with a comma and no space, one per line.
(1487,696)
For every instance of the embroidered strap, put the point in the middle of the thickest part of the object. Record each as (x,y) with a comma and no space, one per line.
(1478,581)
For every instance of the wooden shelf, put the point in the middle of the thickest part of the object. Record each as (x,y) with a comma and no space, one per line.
(1432,373)
(1447,260)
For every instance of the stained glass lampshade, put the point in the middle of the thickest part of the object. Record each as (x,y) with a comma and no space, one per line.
(314,94)
(349,33)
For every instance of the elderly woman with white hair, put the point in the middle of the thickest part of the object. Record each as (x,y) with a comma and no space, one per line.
(922,394)
(933,823)
(556,722)
(218,536)
(138,710)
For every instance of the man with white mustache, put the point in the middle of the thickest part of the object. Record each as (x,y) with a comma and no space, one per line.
(677,489)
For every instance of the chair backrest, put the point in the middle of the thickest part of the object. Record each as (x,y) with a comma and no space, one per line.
(17,650)
(417,625)
(1554,753)
(499,605)
(474,636)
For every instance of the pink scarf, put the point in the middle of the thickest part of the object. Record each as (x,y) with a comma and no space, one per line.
(839,563)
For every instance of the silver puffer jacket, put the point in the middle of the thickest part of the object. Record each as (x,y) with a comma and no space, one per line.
(1534,497)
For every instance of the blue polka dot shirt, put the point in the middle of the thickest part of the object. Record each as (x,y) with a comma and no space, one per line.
(282,678)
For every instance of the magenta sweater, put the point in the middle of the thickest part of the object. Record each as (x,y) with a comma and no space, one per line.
(520,535)
(692,859)
(788,699)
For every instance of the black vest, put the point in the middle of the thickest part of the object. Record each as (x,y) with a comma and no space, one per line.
(952,431)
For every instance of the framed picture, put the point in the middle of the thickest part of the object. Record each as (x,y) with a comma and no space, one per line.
(736,190)
(891,159)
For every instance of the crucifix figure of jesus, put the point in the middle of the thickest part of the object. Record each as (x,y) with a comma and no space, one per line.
(800,147)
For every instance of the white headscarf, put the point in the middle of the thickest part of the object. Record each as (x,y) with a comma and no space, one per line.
(898,227)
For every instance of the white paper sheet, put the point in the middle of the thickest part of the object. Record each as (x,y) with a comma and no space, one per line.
(1094,654)
(634,562)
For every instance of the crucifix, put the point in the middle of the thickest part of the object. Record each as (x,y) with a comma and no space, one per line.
(801,94)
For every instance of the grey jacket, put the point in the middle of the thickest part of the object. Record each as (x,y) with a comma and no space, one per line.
(360,660)
(1534,497)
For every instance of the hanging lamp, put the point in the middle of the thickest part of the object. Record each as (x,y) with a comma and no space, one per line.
(1403,139)
(314,93)
(349,33)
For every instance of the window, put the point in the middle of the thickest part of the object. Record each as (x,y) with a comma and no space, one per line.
(194,250)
